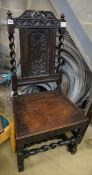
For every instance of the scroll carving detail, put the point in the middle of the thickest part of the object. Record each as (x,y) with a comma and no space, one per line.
(39,53)
(32,18)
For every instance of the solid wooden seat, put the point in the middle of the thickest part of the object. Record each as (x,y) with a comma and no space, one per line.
(44,112)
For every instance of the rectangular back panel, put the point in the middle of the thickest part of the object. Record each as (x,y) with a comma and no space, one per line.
(37,48)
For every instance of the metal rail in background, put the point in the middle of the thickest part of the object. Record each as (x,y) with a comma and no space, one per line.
(77,78)
(74,25)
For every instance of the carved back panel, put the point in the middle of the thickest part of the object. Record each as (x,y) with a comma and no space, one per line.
(37,52)
(37,31)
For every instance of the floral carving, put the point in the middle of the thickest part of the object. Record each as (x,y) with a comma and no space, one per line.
(39,53)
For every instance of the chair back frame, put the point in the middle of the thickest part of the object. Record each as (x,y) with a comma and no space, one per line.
(37,30)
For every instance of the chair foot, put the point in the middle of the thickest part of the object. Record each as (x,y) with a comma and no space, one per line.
(72,148)
(21,167)
(20,160)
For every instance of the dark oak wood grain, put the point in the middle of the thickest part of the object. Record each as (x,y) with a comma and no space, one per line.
(44,112)
(46,115)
